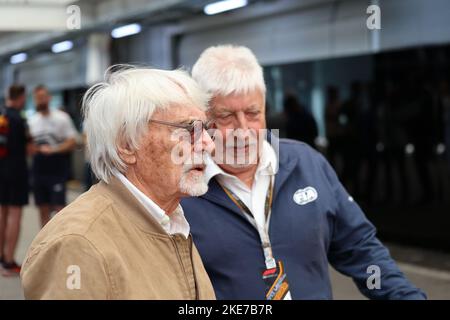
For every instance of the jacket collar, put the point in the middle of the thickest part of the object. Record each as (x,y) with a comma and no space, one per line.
(287,162)
(131,207)
(268,162)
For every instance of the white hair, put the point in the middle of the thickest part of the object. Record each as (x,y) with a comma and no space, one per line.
(228,69)
(118,110)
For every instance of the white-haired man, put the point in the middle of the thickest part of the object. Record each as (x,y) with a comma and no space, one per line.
(127,237)
(313,221)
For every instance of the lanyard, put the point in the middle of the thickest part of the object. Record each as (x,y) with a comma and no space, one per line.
(262,230)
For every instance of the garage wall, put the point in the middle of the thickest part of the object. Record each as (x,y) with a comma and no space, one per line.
(57,71)
(328,29)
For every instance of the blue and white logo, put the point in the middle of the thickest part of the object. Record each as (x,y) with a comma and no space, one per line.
(304,196)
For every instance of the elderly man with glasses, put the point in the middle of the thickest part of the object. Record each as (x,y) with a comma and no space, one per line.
(127,237)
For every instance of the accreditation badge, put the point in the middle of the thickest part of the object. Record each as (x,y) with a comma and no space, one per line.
(277,286)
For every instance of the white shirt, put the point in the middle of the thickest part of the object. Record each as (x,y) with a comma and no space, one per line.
(52,129)
(255,197)
(172,224)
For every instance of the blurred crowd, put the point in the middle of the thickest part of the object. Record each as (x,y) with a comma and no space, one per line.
(47,139)
(381,137)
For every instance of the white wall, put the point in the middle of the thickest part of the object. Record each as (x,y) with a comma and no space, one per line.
(329,29)
(414,22)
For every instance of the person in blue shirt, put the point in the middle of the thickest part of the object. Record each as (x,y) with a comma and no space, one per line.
(275,215)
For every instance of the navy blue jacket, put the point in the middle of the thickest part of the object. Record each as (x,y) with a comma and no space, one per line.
(331,229)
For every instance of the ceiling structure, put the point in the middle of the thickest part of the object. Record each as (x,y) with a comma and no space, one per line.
(26,24)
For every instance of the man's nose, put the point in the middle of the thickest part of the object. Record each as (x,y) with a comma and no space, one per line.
(241,121)
(205,143)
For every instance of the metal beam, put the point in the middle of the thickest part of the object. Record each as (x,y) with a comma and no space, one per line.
(95,15)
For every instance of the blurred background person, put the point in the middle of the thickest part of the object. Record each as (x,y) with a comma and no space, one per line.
(369,141)
(13,176)
(54,137)
(395,122)
(421,133)
(300,124)
(352,147)
(335,128)
(444,112)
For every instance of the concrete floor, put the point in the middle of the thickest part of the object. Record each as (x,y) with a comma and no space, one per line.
(426,269)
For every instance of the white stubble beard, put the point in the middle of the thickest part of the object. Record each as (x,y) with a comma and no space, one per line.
(192,184)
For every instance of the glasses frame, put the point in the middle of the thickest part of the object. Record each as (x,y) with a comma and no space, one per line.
(190,127)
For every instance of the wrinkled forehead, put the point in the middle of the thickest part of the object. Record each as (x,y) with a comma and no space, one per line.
(180,113)
(238,102)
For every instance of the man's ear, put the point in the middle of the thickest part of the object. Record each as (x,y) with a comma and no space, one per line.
(126,154)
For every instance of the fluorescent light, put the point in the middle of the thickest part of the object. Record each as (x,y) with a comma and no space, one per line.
(62,46)
(440,149)
(125,31)
(409,148)
(222,6)
(18,58)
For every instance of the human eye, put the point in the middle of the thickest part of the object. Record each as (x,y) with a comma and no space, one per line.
(252,113)
(224,115)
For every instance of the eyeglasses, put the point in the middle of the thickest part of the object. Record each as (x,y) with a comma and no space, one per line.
(195,127)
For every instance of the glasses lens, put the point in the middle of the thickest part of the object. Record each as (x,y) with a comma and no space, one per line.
(196,130)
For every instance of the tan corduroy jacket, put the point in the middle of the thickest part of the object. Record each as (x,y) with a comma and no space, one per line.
(105,245)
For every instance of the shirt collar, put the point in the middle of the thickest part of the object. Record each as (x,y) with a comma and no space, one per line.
(268,163)
(177,218)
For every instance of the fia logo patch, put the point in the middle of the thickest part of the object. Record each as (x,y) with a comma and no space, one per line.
(304,196)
